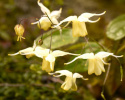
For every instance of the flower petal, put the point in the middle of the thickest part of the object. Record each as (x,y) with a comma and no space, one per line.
(35,22)
(89,15)
(13,54)
(67,84)
(74,86)
(50,58)
(84,56)
(62,72)
(54,21)
(75,75)
(46,65)
(42,20)
(43,8)
(38,51)
(41,52)
(56,14)
(97,68)
(58,53)
(70,18)
(52,66)
(85,16)
(91,21)
(100,64)
(79,29)
(24,52)
(91,66)
(103,54)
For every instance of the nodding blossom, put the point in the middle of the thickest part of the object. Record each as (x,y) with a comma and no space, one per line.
(78,23)
(44,22)
(49,58)
(95,61)
(30,51)
(70,80)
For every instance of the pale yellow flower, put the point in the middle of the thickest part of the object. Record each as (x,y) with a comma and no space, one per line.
(95,61)
(78,23)
(70,80)
(49,58)
(19,29)
(44,22)
(30,51)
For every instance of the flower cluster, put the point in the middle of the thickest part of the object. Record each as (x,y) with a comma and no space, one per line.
(96,62)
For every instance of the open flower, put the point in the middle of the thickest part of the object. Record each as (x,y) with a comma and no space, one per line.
(45,22)
(30,51)
(19,29)
(78,23)
(95,62)
(70,80)
(49,58)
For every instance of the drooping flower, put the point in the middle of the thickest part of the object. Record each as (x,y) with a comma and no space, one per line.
(70,80)
(49,58)
(78,23)
(19,29)
(30,51)
(45,22)
(95,61)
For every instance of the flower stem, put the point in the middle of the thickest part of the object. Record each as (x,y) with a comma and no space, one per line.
(49,18)
(99,44)
(105,82)
(121,69)
(50,42)
(26,19)
(88,44)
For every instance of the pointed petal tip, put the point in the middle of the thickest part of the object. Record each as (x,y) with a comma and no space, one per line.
(9,54)
(13,54)
(85,78)
(104,12)
(32,23)
(23,38)
(107,63)
(98,19)
(51,74)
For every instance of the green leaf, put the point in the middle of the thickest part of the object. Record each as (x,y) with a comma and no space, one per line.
(57,41)
(116,28)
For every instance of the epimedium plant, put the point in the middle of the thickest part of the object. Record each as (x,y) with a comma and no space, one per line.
(48,54)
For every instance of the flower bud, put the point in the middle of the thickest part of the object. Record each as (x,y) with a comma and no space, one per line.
(19,29)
